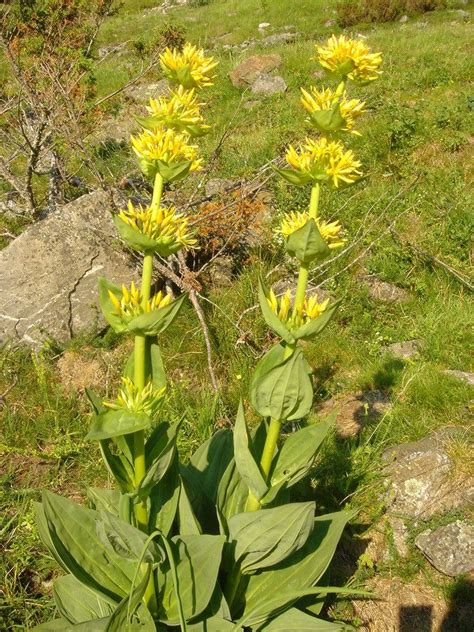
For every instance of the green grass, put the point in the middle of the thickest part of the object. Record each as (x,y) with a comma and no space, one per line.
(416,138)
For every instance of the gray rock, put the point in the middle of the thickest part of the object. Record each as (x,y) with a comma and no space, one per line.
(404,350)
(268,85)
(249,70)
(142,92)
(419,480)
(465,15)
(450,549)
(400,535)
(330,23)
(219,272)
(403,19)
(48,285)
(279,38)
(383,291)
(263,25)
(465,376)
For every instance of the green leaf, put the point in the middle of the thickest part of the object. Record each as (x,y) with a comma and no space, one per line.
(214,624)
(314,327)
(95,625)
(265,538)
(164,498)
(104,499)
(328,120)
(301,570)
(72,532)
(156,370)
(188,525)
(132,615)
(294,620)
(134,238)
(197,559)
(107,307)
(245,460)
(155,322)
(281,387)
(295,177)
(77,603)
(125,540)
(119,467)
(173,172)
(271,318)
(114,423)
(307,244)
(298,452)
(160,450)
(95,401)
(232,492)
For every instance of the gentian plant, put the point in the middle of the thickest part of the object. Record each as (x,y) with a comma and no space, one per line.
(213,544)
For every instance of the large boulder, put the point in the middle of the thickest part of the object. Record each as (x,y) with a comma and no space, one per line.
(449,548)
(48,275)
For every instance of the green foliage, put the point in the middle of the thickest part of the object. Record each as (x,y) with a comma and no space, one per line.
(350,12)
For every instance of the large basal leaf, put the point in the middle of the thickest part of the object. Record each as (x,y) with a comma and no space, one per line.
(281,387)
(245,459)
(214,624)
(298,452)
(126,540)
(154,323)
(61,625)
(232,493)
(77,603)
(114,423)
(164,498)
(294,620)
(188,525)
(300,571)
(265,538)
(160,450)
(307,244)
(209,462)
(73,534)
(132,615)
(197,559)
(314,327)
(270,317)
(104,499)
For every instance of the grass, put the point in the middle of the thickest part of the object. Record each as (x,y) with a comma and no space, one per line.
(415,140)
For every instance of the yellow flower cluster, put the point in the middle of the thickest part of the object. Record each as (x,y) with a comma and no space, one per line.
(350,59)
(135,400)
(131,303)
(162,224)
(188,67)
(324,160)
(282,308)
(167,146)
(330,231)
(325,100)
(181,111)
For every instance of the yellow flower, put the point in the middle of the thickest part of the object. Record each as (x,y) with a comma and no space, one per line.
(330,231)
(283,309)
(188,67)
(322,160)
(167,146)
(349,58)
(146,400)
(327,100)
(165,226)
(180,111)
(131,303)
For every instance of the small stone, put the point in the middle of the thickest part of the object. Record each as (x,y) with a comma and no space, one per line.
(404,350)
(279,38)
(450,549)
(465,376)
(403,19)
(268,85)
(263,25)
(249,70)
(219,272)
(250,105)
(465,15)
(330,23)
(142,92)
